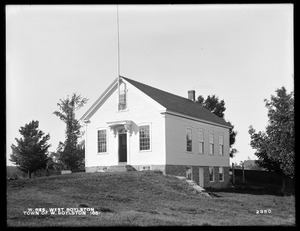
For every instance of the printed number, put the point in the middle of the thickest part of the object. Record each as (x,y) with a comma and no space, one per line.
(265,211)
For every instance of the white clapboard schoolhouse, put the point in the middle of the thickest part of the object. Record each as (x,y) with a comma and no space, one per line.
(138,126)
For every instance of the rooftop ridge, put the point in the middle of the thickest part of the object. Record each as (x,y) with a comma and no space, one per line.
(188,100)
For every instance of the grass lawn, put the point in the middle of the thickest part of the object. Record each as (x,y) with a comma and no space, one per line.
(138,199)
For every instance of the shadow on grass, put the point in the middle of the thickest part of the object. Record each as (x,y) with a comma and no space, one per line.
(213,194)
(104,210)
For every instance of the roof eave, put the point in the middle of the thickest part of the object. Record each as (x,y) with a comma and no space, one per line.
(196,119)
(91,111)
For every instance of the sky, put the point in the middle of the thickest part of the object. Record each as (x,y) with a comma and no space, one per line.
(241,53)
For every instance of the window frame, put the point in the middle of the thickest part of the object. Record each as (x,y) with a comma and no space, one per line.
(221,145)
(125,91)
(201,142)
(211,145)
(150,137)
(186,140)
(123,101)
(213,174)
(222,180)
(106,141)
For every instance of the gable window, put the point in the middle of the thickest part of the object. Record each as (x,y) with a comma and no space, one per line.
(221,145)
(221,174)
(122,97)
(144,136)
(211,143)
(201,142)
(211,174)
(102,140)
(189,139)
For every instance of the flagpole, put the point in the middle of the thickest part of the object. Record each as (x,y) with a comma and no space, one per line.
(118,47)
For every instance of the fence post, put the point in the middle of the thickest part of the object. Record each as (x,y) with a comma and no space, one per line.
(233,177)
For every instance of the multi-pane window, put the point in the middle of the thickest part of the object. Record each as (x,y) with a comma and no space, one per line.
(188,139)
(221,174)
(144,132)
(102,147)
(211,143)
(211,174)
(201,142)
(122,97)
(122,100)
(221,144)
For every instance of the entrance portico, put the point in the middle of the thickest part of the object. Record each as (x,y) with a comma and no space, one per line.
(122,131)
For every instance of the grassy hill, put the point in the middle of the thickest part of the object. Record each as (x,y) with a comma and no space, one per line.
(138,199)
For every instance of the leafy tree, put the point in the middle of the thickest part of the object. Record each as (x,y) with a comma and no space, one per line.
(31,151)
(70,154)
(213,104)
(275,146)
(217,107)
(54,163)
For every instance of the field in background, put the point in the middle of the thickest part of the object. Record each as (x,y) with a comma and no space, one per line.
(139,199)
(15,173)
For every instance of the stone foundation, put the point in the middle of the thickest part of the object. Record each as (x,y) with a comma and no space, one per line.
(91,169)
(177,170)
(149,167)
(136,167)
(95,168)
(180,170)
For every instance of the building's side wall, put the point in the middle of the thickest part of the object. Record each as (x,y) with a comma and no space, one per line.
(176,148)
(141,110)
(178,159)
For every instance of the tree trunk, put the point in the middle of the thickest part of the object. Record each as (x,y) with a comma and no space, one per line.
(233,177)
(283,184)
(29,174)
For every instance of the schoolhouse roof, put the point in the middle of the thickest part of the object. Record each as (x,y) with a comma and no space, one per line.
(178,104)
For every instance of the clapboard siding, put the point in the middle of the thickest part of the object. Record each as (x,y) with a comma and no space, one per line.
(141,110)
(176,153)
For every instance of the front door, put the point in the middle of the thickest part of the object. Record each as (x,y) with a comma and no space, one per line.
(123,147)
(201,177)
